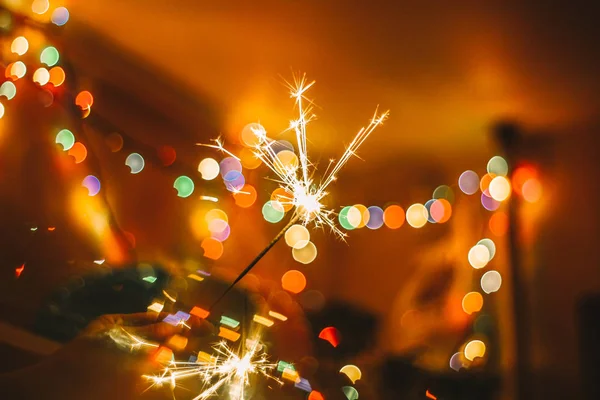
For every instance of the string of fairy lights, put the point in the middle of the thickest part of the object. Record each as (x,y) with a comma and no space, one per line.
(296,194)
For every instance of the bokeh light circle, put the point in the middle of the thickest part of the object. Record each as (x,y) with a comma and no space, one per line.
(428,205)
(293,281)
(8,90)
(375,217)
(352,372)
(17,70)
(234,181)
(1,110)
(284,198)
(60,16)
(479,256)
(213,249)
(393,216)
(167,155)
(499,188)
(305,254)
(65,138)
(84,100)
(19,45)
(92,184)
(57,76)
(41,76)
(343,218)
(216,213)
(497,166)
(488,203)
(490,245)
(287,161)
(296,233)
(444,192)
(354,217)
(253,134)
(135,162)
(440,211)
(491,282)
(209,169)
(472,302)
(184,186)
(417,215)
(245,197)
(474,349)
(229,164)
(49,56)
(78,151)
(468,182)
(273,211)
(457,361)
(40,6)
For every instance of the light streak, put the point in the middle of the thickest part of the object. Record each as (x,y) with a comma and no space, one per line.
(225,372)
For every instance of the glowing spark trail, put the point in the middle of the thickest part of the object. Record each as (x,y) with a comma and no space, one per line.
(295,174)
(226,370)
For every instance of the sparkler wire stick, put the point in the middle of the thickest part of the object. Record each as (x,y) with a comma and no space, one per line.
(256,259)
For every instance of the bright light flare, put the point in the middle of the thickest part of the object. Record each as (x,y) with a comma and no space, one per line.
(227,371)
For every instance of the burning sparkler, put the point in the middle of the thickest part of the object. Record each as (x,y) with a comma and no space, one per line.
(226,371)
(296,174)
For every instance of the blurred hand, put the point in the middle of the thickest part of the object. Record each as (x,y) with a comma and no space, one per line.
(93,367)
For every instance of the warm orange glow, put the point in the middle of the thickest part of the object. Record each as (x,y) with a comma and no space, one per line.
(314,395)
(163,355)
(331,335)
(215,213)
(393,216)
(532,190)
(200,312)
(522,175)
(177,342)
(293,281)
(429,395)
(19,270)
(246,197)
(263,320)
(84,100)
(78,152)
(499,223)
(57,76)
(474,349)
(167,155)
(284,198)
(249,159)
(364,215)
(472,302)
(228,334)
(213,249)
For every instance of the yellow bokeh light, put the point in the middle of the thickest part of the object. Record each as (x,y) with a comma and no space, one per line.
(19,46)
(215,213)
(499,188)
(479,256)
(297,235)
(354,216)
(352,372)
(248,159)
(305,254)
(416,215)
(472,302)
(41,76)
(474,349)
(40,6)
(532,190)
(288,161)
(252,134)
(209,169)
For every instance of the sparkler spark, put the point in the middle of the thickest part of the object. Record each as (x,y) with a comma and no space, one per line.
(295,174)
(227,371)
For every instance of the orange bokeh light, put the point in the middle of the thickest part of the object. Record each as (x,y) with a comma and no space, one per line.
(484,184)
(245,197)
(394,217)
(472,302)
(314,395)
(84,100)
(57,76)
(441,211)
(521,175)
(78,152)
(293,281)
(249,159)
(285,198)
(213,249)
(499,223)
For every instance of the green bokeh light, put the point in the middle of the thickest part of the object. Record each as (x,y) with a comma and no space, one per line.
(49,56)
(343,218)
(184,186)
(272,214)
(66,139)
